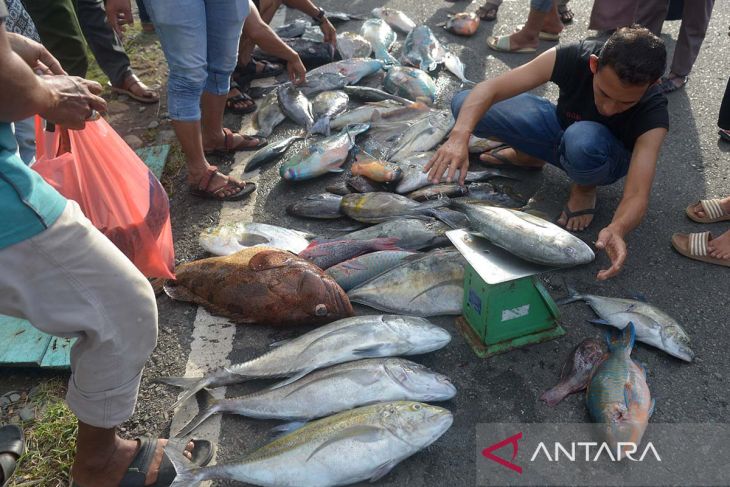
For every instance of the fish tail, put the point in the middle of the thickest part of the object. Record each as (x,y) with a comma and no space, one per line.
(185,477)
(447,217)
(554,395)
(572,296)
(191,385)
(207,406)
(619,340)
(321,126)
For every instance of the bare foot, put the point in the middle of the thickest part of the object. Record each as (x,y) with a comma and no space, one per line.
(552,24)
(109,471)
(700,212)
(513,156)
(219,141)
(218,181)
(523,39)
(719,247)
(581,198)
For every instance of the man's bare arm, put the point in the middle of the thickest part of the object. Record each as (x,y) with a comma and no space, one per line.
(635,200)
(307,7)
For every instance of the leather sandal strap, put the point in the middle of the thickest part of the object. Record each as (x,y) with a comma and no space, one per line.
(228,141)
(712,208)
(698,244)
(204,182)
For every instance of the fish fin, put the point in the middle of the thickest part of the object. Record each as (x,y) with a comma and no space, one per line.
(623,339)
(450,218)
(336,170)
(191,391)
(389,243)
(286,428)
(599,321)
(182,382)
(185,476)
(361,377)
(291,379)
(651,408)
(363,433)
(206,408)
(554,395)
(383,470)
(435,286)
(322,126)
(639,297)
(179,293)
(572,296)
(372,351)
(279,343)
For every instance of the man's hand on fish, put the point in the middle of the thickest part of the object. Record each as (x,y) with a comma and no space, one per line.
(453,155)
(613,243)
(329,32)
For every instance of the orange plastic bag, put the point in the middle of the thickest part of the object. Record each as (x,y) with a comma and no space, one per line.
(114,188)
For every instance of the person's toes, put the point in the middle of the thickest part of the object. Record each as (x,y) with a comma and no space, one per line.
(561,220)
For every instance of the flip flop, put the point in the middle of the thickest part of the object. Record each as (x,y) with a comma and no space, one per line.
(233,101)
(566,15)
(694,246)
(484,12)
(127,91)
(713,211)
(229,147)
(203,188)
(12,447)
(504,162)
(202,455)
(724,134)
(666,85)
(501,44)
(268,70)
(572,214)
(545,36)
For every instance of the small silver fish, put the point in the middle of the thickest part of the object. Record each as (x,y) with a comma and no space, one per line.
(454,64)
(296,106)
(381,37)
(395,18)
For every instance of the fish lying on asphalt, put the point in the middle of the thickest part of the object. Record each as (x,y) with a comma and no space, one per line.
(463,24)
(488,193)
(361,184)
(296,106)
(376,170)
(314,33)
(618,397)
(325,106)
(527,236)
(269,115)
(334,16)
(349,447)
(432,285)
(412,233)
(454,64)
(365,93)
(269,153)
(422,50)
(351,45)
(320,82)
(423,135)
(355,271)
(576,371)
(261,285)
(354,69)
(323,206)
(345,340)
(652,325)
(340,188)
(380,206)
(477,145)
(437,191)
(379,34)
(312,53)
(395,18)
(412,112)
(229,239)
(411,83)
(292,29)
(414,178)
(323,156)
(364,113)
(325,254)
(332,390)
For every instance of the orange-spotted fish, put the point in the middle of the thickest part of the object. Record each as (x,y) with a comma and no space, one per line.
(376,170)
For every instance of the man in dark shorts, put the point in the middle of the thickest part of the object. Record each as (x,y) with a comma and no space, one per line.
(610,122)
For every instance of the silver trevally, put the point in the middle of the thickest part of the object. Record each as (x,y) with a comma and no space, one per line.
(412,233)
(331,390)
(422,50)
(527,236)
(354,69)
(323,156)
(361,444)
(653,326)
(432,285)
(325,106)
(269,115)
(270,152)
(454,64)
(379,206)
(411,83)
(351,45)
(355,271)
(381,37)
(423,135)
(395,18)
(344,340)
(296,106)
(414,178)
(229,239)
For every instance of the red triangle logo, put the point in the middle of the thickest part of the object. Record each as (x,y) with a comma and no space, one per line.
(512,440)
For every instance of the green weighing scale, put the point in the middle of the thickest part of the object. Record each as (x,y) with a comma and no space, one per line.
(505,306)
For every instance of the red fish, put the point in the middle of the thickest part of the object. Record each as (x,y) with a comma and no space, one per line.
(328,253)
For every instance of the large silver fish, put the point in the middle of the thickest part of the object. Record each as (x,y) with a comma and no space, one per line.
(331,390)
(411,83)
(412,233)
(381,37)
(344,340)
(325,106)
(364,113)
(653,326)
(325,155)
(395,18)
(269,115)
(527,236)
(355,271)
(354,69)
(361,444)
(270,152)
(423,135)
(324,206)
(414,178)
(351,45)
(229,239)
(422,50)
(430,286)
(379,206)
(296,106)
(315,84)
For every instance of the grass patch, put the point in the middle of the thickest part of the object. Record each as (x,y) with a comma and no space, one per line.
(175,163)
(50,439)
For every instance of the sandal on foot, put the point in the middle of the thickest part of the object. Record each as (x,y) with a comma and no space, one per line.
(572,214)
(235,104)
(229,145)
(203,188)
(126,89)
(566,15)
(504,162)
(544,36)
(251,70)
(713,211)
(502,44)
(12,447)
(694,246)
(724,134)
(667,85)
(488,12)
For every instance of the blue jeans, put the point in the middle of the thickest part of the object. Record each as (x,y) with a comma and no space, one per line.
(587,151)
(541,5)
(200,42)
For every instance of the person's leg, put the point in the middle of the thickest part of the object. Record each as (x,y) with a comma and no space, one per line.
(591,156)
(488,11)
(144,17)
(543,17)
(267,9)
(695,19)
(723,119)
(651,14)
(566,15)
(60,33)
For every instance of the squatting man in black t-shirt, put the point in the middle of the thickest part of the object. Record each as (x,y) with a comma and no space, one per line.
(610,122)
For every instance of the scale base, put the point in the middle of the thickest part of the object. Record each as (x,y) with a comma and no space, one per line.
(484,350)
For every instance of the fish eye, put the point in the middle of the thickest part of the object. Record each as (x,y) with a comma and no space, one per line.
(416,407)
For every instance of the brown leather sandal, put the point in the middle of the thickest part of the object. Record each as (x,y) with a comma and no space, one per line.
(229,145)
(202,190)
(126,89)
